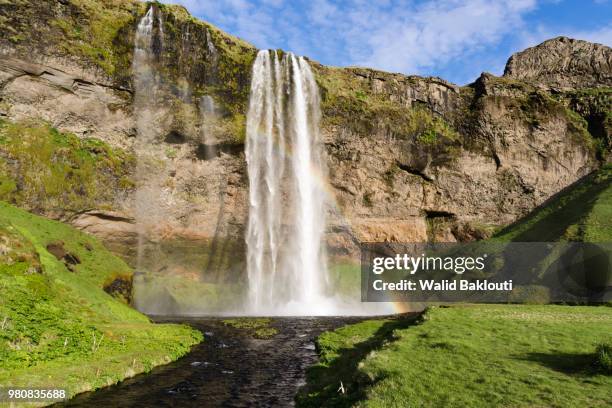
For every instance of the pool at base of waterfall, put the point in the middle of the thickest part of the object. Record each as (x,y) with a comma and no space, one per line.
(232,367)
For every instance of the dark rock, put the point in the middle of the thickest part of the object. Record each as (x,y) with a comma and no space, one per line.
(120,287)
(175,137)
(71,259)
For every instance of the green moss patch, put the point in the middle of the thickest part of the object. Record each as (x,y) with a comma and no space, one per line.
(99,35)
(594,105)
(44,170)
(258,327)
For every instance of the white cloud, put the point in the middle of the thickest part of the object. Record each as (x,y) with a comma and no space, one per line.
(601,35)
(417,39)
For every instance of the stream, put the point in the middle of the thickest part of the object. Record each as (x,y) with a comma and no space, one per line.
(229,368)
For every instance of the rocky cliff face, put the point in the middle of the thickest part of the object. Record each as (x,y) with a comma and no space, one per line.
(409,158)
(563,64)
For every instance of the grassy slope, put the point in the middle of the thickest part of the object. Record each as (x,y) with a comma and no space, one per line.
(506,355)
(50,316)
(583,212)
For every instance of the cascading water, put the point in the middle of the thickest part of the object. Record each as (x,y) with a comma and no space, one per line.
(151,200)
(286,260)
(143,79)
(208,113)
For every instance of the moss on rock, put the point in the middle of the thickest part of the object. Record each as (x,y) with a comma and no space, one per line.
(47,171)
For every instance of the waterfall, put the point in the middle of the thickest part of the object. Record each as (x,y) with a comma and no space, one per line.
(150,199)
(286,260)
(208,113)
(160,23)
(143,79)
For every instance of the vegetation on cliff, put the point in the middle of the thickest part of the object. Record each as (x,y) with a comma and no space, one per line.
(58,326)
(523,105)
(98,37)
(594,105)
(349,100)
(193,58)
(213,62)
(50,172)
(470,355)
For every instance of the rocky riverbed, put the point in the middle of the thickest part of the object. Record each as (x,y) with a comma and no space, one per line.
(230,368)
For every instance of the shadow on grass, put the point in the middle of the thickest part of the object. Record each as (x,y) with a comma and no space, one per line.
(323,381)
(567,363)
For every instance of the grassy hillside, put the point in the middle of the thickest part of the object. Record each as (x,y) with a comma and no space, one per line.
(505,355)
(582,212)
(58,327)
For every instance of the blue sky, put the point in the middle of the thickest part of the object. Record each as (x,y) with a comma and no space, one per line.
(456,40)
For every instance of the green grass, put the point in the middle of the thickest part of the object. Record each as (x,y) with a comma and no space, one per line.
(583,212)
(485,355)
(59,327)
(258,327)
(475,355)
